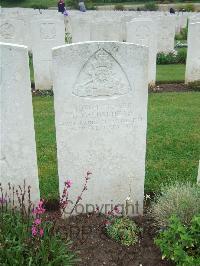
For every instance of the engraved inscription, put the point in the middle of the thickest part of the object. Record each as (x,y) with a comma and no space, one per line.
(101,75)
(101,117)
(7,31)
(47,31)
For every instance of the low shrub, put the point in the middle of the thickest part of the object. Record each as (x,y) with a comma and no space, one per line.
(90,5)
(151,6)
(186,8)
(182,35)
(119,7)
(18,247)
(182,200)
(178,57)
(181,243)
(27,237)
(165,59)
(181,56)
(39,6)
(194,86)
(72,4)
(189,8)
(68,37)
(122,230)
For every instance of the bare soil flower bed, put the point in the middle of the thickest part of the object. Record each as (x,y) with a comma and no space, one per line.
(87,232)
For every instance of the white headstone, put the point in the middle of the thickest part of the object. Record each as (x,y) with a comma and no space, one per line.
(193,53)
(165,33)
(80,27)
(46,34)
(18,160)
(198,176)
(143,32)
(106,30)
(101,91)
(12,30)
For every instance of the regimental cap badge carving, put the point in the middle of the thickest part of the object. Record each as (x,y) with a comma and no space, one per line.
(7,31)
(101,76)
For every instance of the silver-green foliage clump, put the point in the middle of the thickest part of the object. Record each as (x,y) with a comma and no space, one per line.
(182,200)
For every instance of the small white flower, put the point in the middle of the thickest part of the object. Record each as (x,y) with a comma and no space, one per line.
(128,198)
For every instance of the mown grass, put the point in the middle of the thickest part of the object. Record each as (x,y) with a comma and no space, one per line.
(174,73)
(164,73)
(173,141)
(46,146)
(28,3)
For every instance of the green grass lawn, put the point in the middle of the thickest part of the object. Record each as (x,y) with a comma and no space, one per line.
(46,146)
(170,73)
(172,141)
(165,73)
(28,3)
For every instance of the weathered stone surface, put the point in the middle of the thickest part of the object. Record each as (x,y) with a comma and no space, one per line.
(12,30)
(106,30)
(193,53)
(166,26)
(46,34)
(100,91)
(198,176)
(18,160)
(80,27)
(143,32)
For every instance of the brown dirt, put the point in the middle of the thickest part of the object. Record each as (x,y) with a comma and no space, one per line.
(87,231)
(174,87)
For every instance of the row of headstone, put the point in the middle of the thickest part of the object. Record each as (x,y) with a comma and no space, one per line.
(100,103)
(49,32)
(101,91)
(15,23)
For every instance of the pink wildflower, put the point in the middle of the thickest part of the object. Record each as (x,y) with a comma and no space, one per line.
(37,221)
(39,209)
(106,222)
(34,231)
(68,183)
(116,209)
(41,232)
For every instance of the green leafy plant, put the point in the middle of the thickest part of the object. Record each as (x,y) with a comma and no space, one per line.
(182,200)
(122,230)
(26,236)
(195,85)
(189,7)
(68,37)
(178,57)
(182,35)
(90,5)
(181,243)
(18,247)
(151,6)
(39,6)
(181,56)
(72,3)
(119,7)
